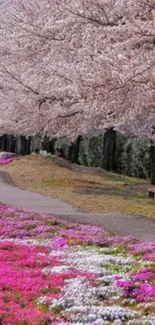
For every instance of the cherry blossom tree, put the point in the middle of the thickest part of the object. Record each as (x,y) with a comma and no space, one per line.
(69,68)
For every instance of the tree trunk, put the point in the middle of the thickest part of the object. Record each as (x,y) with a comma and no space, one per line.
(11,143)
(25,146)
(153,164)
(74,151)
(52,146)
(109,150)
(3,142)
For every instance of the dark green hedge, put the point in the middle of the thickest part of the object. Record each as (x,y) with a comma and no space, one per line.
(112,151)
(133,156)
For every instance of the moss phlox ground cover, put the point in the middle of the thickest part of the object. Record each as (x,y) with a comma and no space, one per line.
(5,161)
(56,272)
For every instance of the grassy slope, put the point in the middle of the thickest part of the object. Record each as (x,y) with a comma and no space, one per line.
(96,193)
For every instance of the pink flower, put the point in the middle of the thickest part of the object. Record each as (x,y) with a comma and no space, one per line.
(59,243)
(5,161)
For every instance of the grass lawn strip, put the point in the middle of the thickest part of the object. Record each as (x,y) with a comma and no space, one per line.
(96,193)
(54,272)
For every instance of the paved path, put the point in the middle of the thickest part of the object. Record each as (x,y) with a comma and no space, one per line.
(139,226)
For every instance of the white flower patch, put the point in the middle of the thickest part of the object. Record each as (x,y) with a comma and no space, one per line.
(82,302)
(90,260)
(85,302)
(104,291)
(92,314)
(58,253)
(146,320)
(57,269)
(31,242)
(108,279)
(77,292)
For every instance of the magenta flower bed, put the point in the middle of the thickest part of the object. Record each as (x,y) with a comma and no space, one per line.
(56,272)
(140,286)
(6,161)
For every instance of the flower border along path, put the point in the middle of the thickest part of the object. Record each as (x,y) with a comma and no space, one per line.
(5,161)
(53,272)
(139,226)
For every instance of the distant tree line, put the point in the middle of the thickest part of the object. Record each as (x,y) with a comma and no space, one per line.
(111,151)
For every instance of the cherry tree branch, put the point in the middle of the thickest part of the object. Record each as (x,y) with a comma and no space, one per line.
(20,81)
(69,115)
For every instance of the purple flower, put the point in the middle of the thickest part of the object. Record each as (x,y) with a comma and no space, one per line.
(59,243)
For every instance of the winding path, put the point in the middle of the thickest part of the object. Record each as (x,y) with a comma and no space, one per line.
(139,226)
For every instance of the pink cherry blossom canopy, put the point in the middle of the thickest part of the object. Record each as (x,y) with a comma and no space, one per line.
(70,67)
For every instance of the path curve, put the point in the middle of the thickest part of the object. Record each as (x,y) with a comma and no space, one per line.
(141,227)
